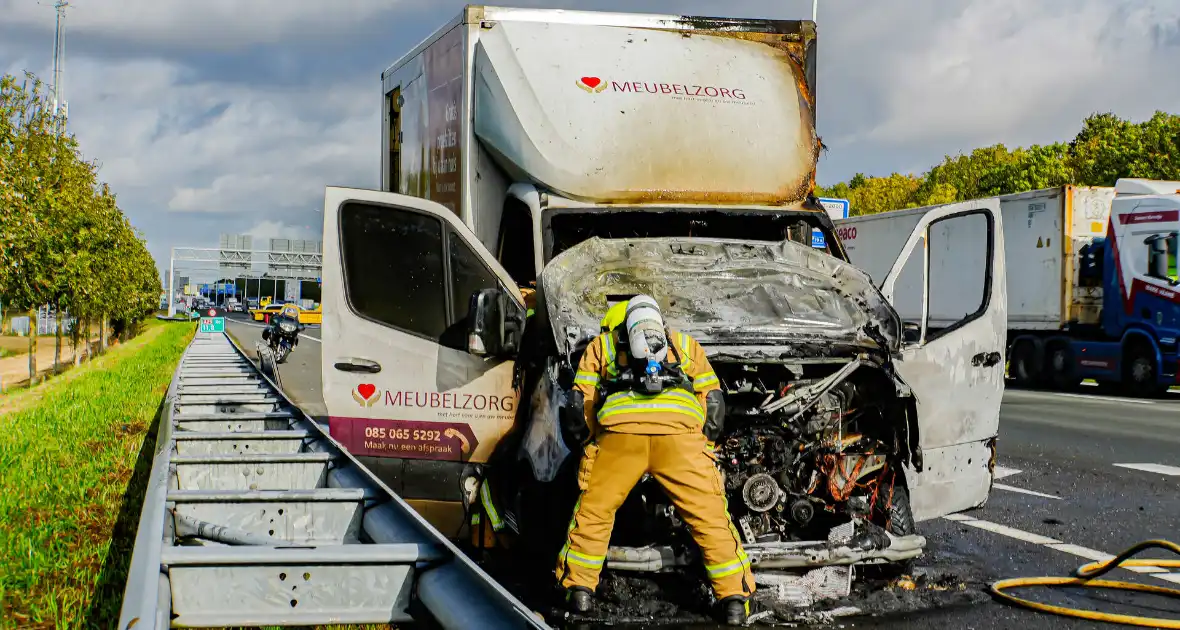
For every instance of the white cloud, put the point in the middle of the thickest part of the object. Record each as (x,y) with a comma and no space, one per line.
(204,24)
(1014,71)
(221,147)
(266,230)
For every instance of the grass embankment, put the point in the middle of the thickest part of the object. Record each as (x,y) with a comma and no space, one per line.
(72,476)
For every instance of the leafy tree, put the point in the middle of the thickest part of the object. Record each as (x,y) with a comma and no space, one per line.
(65,243)
(1106,148)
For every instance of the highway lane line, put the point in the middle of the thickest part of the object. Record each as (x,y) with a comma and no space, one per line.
(1173,471)
(1111,399)
(1003,530)
(256,325)
(1002,472)
(1004,486)
(1051,543)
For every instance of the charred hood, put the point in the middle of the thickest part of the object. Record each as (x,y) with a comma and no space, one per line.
(722,292)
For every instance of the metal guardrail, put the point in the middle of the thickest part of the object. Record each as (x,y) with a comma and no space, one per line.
(254,516)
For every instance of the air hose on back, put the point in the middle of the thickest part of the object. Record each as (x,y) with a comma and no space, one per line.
(1084,577)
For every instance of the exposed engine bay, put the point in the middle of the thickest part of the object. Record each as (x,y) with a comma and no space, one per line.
(803,452)
(808,449)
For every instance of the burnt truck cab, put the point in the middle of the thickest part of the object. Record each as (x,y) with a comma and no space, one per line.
(591,188)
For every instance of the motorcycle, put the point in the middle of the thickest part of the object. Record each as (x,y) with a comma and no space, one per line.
(282,335)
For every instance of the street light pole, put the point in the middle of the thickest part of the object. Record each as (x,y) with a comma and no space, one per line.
(59,60)
(172,283)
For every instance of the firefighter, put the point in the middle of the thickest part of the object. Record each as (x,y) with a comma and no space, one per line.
(647,401)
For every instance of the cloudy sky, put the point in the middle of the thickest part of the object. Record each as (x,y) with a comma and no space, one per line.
(212,116)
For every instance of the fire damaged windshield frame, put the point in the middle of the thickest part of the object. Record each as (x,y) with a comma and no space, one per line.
(553,246)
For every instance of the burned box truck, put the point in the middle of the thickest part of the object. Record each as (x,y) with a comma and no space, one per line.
(539,166)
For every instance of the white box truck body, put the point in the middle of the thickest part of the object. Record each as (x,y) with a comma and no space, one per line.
(1089,296)
(1044,231)
(580,158)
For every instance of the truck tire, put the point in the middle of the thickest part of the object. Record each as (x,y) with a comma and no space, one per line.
(898,517)
(1140,373)
(1025,364)
(1062,370)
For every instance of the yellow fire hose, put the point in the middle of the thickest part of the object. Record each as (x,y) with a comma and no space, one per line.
(1084,577)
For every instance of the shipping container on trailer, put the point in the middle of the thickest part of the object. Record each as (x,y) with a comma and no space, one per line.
(1044,231)
(1084,300)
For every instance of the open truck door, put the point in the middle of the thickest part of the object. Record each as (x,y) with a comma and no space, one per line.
(419,327)
(948,286)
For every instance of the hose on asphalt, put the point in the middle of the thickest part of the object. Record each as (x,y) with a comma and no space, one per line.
(1084,577)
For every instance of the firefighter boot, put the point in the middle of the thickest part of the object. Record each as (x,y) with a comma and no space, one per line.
(579,599)
(735,609)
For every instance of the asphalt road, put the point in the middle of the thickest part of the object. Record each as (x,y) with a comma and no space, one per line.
(1083,475)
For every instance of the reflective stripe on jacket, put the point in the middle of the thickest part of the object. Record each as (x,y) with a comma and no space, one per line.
(669,412)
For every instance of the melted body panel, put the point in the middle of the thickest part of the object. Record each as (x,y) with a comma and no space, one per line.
(719,290)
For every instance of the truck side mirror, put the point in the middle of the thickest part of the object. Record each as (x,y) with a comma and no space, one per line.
(495,324)
(911,332)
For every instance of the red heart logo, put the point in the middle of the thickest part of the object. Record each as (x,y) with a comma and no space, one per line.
(366,390)
(592,82)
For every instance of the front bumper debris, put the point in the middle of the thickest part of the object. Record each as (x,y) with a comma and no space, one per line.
(854,542)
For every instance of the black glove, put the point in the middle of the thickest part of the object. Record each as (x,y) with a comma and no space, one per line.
(573,421)
(714,415)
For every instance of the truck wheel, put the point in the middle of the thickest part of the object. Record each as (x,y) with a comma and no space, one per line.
(1063,367)
(1025,364)
(898,518)
(1139,371)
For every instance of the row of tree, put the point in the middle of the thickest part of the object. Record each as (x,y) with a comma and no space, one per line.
(1106,149)
(63,240)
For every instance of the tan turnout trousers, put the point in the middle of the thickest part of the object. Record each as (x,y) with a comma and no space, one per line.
(684,466)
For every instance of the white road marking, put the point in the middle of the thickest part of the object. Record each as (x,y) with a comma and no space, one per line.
(1004,530)
(257,325)
(1051,543)
(1137,401)
(1004,486)
(1081,552)
(1002,472)
(1162,469)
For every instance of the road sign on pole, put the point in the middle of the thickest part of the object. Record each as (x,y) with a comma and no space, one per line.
(212,325)
(837,208)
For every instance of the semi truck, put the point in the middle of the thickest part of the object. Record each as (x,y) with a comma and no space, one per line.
(1092,285)
(538,166)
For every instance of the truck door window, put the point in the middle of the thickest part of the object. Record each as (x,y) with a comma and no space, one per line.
(959,264)
(949,271)
(393,267)
(907,293)
(1161,256)
(468,275)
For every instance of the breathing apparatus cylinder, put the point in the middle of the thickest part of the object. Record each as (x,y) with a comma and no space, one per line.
(647,340)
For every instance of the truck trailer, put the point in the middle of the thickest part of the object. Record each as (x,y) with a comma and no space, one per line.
(1084,300)
(539,166)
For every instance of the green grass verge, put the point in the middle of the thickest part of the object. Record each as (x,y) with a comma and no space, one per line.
(73,478)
